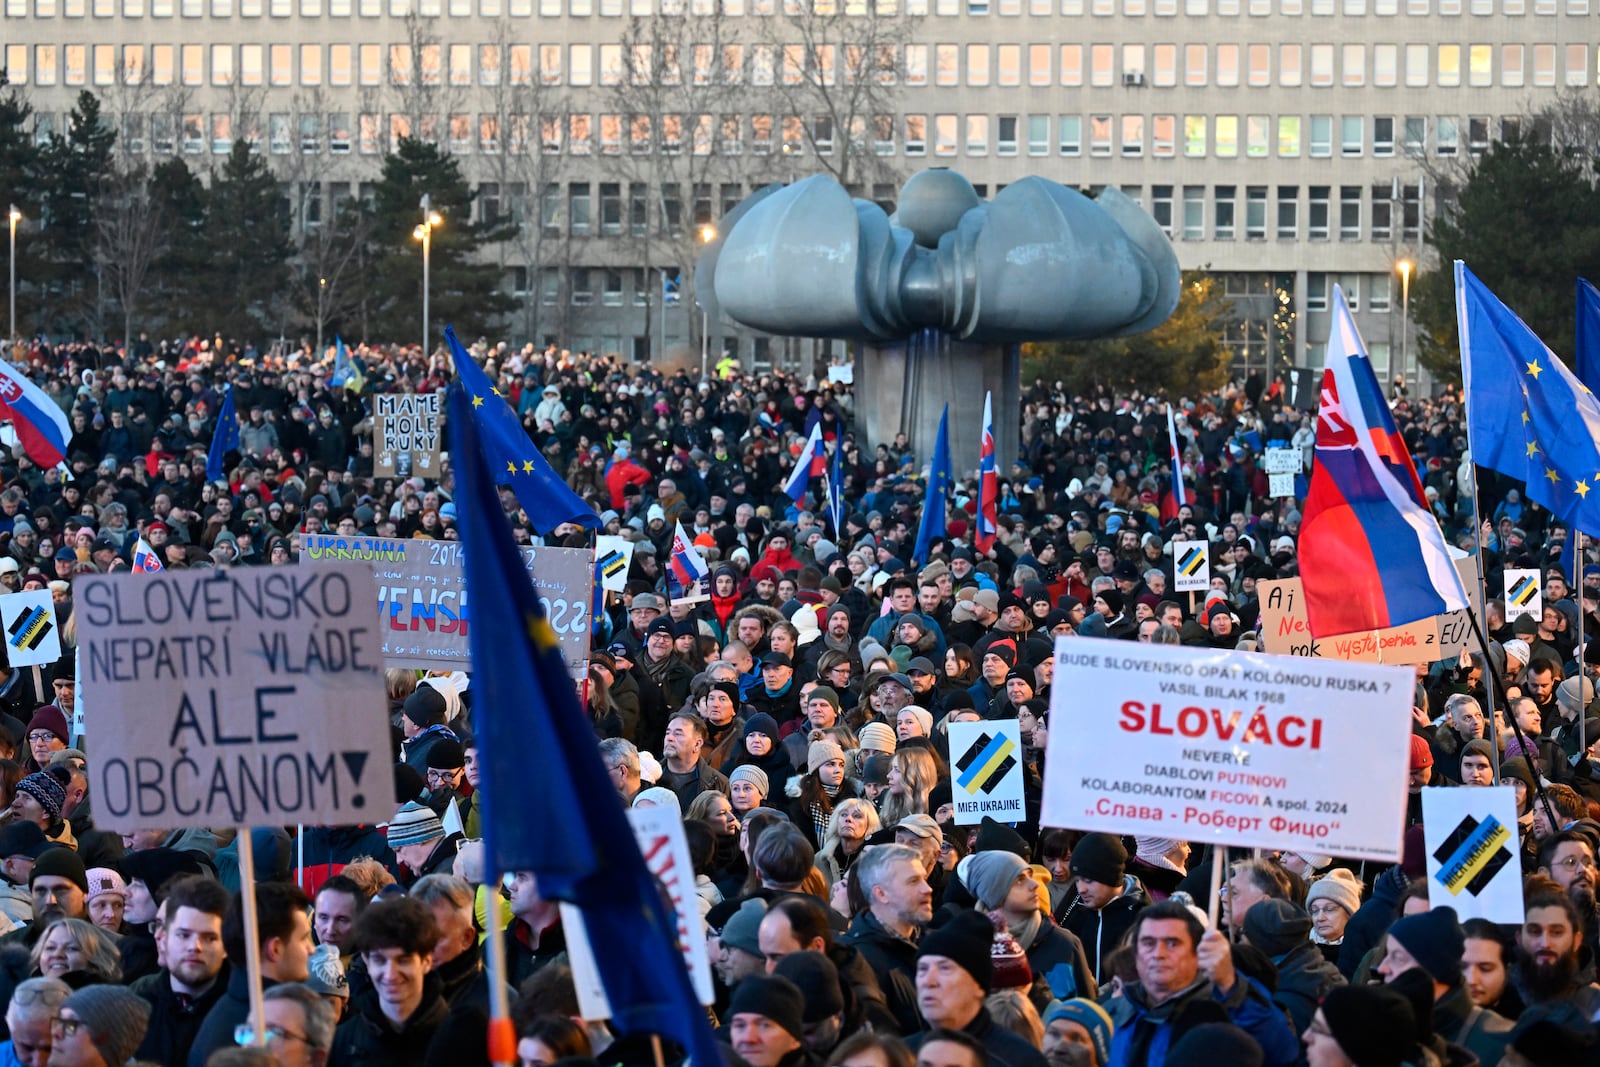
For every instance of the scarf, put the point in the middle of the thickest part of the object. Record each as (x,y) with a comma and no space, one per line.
(819,818)
(1027,930)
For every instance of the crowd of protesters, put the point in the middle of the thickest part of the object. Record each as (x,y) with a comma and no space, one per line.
(797,720)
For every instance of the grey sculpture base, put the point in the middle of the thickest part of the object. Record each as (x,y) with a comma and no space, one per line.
(895,393)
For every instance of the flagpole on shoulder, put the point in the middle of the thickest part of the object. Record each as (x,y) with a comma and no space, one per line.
(1499,686)
(502,1036)
(1489,689)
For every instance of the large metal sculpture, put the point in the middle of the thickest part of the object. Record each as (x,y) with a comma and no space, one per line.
(940,294)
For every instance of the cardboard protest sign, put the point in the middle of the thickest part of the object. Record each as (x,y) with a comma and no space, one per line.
(1230,748)
(421,590)
(29,621)
(1280,484)
(1191,566)
(666,852)
(1470,837)
(1281,460)
(612,557)
(1285,629)
(1524,594)
(987,777)
(247,697)
(405,435)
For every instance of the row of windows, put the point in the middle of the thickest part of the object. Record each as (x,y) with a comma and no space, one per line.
(1378,213)
(1006,65)
(617,8)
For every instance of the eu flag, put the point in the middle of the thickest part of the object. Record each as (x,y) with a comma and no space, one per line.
(224,439)
(547,802)
(939,479)
(547,499)
(1528,416)
(1588,354)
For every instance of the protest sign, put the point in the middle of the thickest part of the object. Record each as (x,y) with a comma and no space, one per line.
(29,621)
(1191,566)
(1228,748)
(1281,460)
(247,697)
(1280,484)
(1285,629)
(1524,594)
(612,557)
(1470,837)
(659,832)
(421,591)
(405,435)
(987,777)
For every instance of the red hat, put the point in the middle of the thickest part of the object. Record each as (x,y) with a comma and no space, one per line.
(1421,755)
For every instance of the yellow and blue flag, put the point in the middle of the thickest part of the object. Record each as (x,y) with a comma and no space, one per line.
(224,439)
(940,476)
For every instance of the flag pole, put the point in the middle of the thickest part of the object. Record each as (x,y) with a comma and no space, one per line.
(1516,727)
(502,1036)
(1489,688)
(1577,585)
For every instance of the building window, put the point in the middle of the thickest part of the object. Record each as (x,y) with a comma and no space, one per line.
(1354,64)
(1194,136)
(1289,136)
(1382,212)
(1194,212)
(1350,213)
(1321,136)
(1288,228)
(1257,136)
(1133,135)
(1161,207)
(1449,65)
(1166,65)
(1352,131)
(1006,135)
(1317,213)
(1416,66)
(1069,131)
(1227,65)
(1447,137)
(1255,213)
(1194,64)
(1383,136)
(1227,136)
(1164,136)
(1290,73)
(1322,65)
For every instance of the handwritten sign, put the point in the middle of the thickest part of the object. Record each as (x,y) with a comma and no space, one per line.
(1231,748)
(1281,460)
(405,435)
(28,621)
(422,596)
(247,697)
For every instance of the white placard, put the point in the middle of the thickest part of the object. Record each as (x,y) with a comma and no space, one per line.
(1524,594)
(986,774)
(29,622)
(1280,485)
(1191,566)
(1470,835)
(1228,748)
(659,831)
(612,557)
(242,697)
(1281,460)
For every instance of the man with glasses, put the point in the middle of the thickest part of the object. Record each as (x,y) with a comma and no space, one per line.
(98,1026)
(447,762)
(28,1017)
(299,1026)
(1568,858)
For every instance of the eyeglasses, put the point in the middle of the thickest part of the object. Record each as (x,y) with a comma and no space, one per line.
(62,1026)
(245,1035)
(39,737)
(1572,863)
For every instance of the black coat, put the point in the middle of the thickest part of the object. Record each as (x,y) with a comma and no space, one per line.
(367,1039)
(229,1010)
(893,960)
(174,1026)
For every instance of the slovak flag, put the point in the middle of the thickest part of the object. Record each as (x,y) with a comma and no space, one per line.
(1371,552)
(41,425)
(987,521)
(812,462)
(145,558)
(1180,496)
(687,567)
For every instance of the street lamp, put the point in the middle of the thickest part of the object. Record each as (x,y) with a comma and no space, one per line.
(15,216)
(1404,267)
(708,233)
(424,233)
(322,296)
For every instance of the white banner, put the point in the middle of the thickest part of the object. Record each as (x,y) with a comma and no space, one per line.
(1229,748)
(986,779)
(1280,485)
(1524,594)
(29,622)
(1191,566)
(1470,836)
(1281,460)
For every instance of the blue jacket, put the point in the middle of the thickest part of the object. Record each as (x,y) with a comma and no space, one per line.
(1144,1034)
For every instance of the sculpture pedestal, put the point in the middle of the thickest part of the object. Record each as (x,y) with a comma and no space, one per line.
(905,386)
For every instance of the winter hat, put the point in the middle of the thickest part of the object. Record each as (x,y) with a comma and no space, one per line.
(875,768)
(446,755)
(967,940)
(1338,885)
(1517,649)
(818,981)
(1276,926)
(1434,940)
(761,723)
(649,768)
(1479,747)
(1010,963)
(821,752)
(877,737)
(740,930)
(1213,1043)
(924,718)
(1517,768)
(104,882)
(117,1019)
(990,876)
(749,772)
(327,973)
(1003,650)
(44,788)
(823,692)
(1113,599)
(1100,858)
(996,836)
(941,794)
(1150,849)
(1568,695)
(414,824)
(658,797)
(60,863)
(425,706)
(155,867)
(772,997)
(49,717)
(1374,1025)
(1089,1015)
(1421,755)
(408,784)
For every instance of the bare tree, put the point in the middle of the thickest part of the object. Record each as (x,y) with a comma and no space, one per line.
(131,234)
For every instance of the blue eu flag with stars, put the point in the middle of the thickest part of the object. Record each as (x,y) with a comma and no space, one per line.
(224,439)
(939,482)
(512,457)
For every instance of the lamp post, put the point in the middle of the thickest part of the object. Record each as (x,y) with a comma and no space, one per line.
(1405,266)
(15,217)
(708,233)
(322,296)
(424,233)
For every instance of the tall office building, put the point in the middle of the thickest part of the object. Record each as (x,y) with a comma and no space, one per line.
(1286,145)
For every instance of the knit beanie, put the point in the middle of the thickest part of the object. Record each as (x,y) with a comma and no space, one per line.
(1089,1015)
(1421,754)
(49,717)
(104,882)
(44,788)
(117,1019)
(740,930)
(823,692)
(1100,858)
(1150,849)
(875,769)
(1435,941)
(425,706)
(967,940)
(990,876)
(1010,963)
(60,863)
(326,972)
(1374,1025)
(414,824)
(818,981)
(155,867)
(1338,885)
(821,752)
(878,737)
(1213,1043)
(446,755)
(773,998)
(1477,747)
(761,723)
(1276,926)
(749,772)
